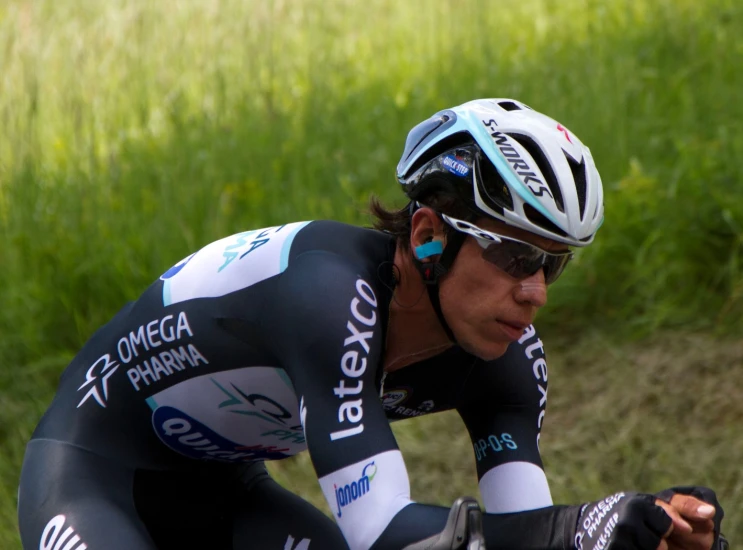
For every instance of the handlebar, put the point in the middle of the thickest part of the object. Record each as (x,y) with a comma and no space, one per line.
(463,529)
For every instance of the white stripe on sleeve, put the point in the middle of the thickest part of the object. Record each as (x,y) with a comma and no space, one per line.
(515,487)
(364,497)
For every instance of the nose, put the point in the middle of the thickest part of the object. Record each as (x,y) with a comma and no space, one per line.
(532,290)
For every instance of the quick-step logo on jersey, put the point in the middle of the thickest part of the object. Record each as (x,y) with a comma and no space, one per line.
(106,367)
(54,538)
(191,438)
(353,361)
(250,408)
(353,491)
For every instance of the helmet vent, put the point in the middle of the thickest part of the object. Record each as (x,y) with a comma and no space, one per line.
(579,176)
(493,184)
(544,166)
(510,106)
(537,218)
(421,132)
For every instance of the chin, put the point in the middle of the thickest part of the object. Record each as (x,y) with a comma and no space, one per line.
(486,350)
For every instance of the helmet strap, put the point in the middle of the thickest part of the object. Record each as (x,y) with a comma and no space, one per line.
(432,272)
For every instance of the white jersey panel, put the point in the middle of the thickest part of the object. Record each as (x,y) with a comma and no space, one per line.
(234,416)
(515,487)
(230,264)
(364,497)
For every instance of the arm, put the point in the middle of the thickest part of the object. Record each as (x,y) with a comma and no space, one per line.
(327,330)
(503,406)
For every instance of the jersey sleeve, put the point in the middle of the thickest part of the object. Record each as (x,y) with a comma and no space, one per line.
(503,406)
(326,328)
(327,331)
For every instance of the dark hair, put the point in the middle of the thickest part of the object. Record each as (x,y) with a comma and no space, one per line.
(397,222)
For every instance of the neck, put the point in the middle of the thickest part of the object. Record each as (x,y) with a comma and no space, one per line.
(414,331)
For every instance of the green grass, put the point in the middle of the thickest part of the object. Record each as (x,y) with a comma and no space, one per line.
(133,132)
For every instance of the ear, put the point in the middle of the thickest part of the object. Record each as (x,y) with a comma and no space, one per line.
(427,236)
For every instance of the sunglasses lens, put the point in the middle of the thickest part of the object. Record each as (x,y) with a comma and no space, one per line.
(516,259)
(554,267)
(520,260)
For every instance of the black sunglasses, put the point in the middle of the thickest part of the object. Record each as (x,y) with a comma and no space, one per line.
(517,258)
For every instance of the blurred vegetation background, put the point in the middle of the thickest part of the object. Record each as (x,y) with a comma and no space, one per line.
(134,132)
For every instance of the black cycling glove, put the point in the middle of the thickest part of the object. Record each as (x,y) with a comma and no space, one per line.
(622,521)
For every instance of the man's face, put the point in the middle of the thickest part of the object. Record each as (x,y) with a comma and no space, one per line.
(486,308)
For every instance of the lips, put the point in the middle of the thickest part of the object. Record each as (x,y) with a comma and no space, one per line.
(513,329)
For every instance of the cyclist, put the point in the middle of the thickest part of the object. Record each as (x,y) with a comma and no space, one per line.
(315,335)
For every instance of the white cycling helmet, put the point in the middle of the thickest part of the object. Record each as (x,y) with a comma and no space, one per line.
(512,163)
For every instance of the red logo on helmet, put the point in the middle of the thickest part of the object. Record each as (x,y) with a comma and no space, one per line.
(564,130)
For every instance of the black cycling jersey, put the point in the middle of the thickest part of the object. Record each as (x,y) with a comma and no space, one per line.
(257,347)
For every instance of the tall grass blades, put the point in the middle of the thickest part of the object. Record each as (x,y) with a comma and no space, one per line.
(133,132)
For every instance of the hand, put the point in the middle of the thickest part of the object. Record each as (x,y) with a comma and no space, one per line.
(621,521)
(693,523)
(685,502)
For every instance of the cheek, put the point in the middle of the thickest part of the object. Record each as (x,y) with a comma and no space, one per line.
(482,277)
(475,289)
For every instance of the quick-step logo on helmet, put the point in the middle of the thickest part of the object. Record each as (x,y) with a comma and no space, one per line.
(519,165)
(354,366)
(356,489)
(455,166)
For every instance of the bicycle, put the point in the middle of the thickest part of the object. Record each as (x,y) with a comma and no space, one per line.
(463,530)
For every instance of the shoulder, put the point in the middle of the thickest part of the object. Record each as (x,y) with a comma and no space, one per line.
(231,264)
(336,284)
(250,257)
(332,262)
(355,244)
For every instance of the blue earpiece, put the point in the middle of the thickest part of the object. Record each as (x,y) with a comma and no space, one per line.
(429,249)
